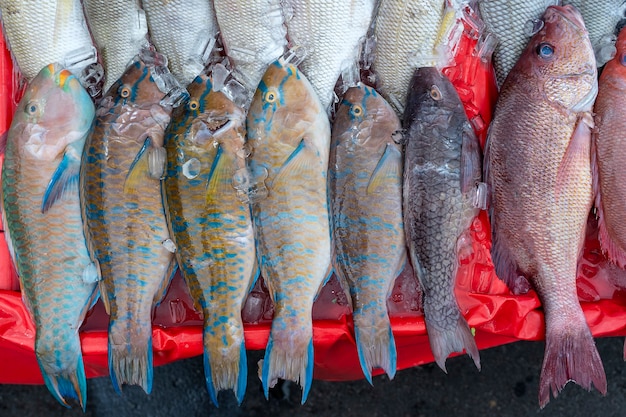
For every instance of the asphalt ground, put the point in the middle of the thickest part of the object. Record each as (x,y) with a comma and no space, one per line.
(506,386)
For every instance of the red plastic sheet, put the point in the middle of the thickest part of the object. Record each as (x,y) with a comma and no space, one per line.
(496,315)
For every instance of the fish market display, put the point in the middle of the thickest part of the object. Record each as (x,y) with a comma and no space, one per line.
(408,35)
(41,32)
(119,29)
(211,226)
(330,33)
(254,35)
(182,30)
(538,170)
(609,158)
(442,168)
(512,23)
(601,17)
(43,223)
(366,200)
(289,133)
(125,223)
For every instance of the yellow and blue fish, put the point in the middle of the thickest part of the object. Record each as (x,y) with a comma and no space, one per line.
(289,135)
(43,223)
(211,225)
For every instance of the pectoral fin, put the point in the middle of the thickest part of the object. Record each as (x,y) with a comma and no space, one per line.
(63,181)
(389,168)
(139,169)
(220,174)
(577,156)
(302,162)
(471,170)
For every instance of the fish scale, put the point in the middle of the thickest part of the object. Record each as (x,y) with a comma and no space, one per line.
(49,246)
(211,226)
(125,222)
(330,33)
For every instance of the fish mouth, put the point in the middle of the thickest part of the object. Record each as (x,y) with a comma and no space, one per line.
(571,14)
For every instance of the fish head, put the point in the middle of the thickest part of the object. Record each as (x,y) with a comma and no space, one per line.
(284,106)
(615,69)
(217,120)
(560,55)
(136,86)
(431,89)
(54,111)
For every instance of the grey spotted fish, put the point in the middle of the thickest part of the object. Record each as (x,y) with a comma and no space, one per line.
(442,168)
(43,223)
(365,173)
(125,222)
(538,170)
(211,226)
(289,136)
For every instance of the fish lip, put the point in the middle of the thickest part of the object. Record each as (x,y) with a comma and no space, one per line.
(570,14)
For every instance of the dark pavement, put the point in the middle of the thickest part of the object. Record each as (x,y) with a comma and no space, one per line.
(506,386)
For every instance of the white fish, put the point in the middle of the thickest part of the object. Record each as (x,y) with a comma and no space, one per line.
(511,22)
(601,18)
(254,36)
(407,33)
(45,31)
(330,33)
(119,29)
(181,30)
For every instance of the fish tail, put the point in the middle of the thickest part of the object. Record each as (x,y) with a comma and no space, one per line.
(570,355)
(295,364)
(454,336)
(376,345)
(225,372)
(130,364)
(69,383)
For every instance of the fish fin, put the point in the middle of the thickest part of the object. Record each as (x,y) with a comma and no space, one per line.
(376,349)
(220,175)
(293,366)
(445,340)
(13,282)
(229,374)
(130,366)
(389,168)
(104,297)
(139,169)
(471,159)
(165,283)
(68,384)
(609,246)
(301,162)
(505,265)
(576,155)
(570,355)
(63,181)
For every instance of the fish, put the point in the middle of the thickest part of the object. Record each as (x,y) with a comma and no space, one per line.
(253,34)
(408,35)
(43,226)
(289,138)
(442,168)
(61,35)
(330,33)
(608,155)
(538,173)
(601,17)
(182,30)
(124,219)
(211,226)
(365,177)
(119,30)
(512,23)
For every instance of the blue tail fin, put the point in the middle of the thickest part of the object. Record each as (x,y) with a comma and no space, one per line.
(228,372)
(69,384)
(376,350)
(293,366)
(132,365)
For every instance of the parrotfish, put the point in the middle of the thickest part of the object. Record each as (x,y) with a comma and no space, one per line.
(43,223)
(125,223)
(289,136)
(211,226)
(538,170)
(442,169)
(609,157)
(366,205)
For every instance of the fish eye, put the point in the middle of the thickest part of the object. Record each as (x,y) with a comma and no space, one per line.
(356,111)
(31,108)
(435,93)
(125,92)
(270,96)
(193,105)
(545,50)
(622,59)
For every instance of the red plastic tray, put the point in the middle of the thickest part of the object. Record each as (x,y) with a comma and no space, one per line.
(496,315)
